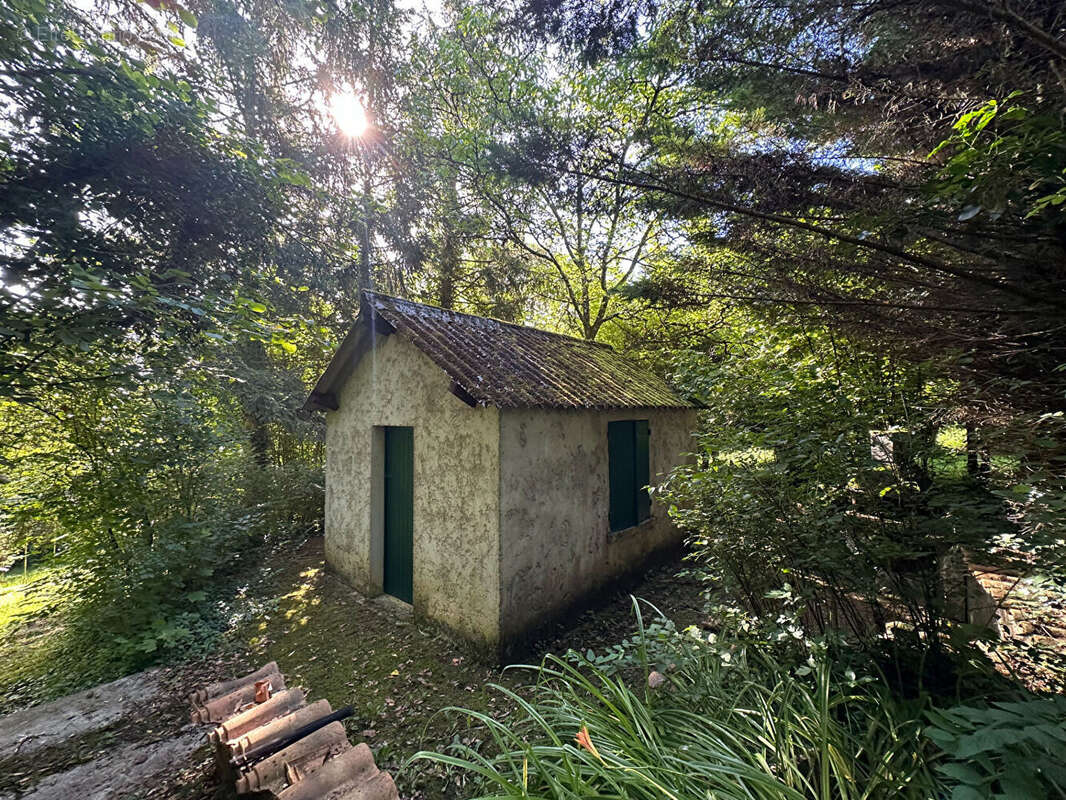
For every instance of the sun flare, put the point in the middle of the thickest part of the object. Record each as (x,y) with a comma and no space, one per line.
(348,112)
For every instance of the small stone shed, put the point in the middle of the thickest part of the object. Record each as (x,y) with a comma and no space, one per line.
(492,475)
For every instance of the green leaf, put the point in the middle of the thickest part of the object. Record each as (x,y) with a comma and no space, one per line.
(294,178)
(983,741)
(187,17)
(962,773)
(965,792)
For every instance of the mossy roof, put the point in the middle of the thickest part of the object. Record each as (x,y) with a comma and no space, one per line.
(495,363)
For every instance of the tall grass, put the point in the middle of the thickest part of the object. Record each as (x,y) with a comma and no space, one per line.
(725,723)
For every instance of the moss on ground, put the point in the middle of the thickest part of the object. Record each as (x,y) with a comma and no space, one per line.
(394,671)
(397,672)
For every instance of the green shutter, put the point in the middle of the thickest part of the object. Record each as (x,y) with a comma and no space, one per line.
(628,472)
(399,512)
(620,452)
(640,465)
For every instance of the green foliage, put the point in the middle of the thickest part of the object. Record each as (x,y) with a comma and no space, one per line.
(513,149)
(124,212)
(656,642)
(786,494)
(801,179)
(160,501)
(730,718)
(148,335)
(1007,156)
(157,600)
(1005,750)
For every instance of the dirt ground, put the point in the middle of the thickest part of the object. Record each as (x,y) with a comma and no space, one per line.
(131,738)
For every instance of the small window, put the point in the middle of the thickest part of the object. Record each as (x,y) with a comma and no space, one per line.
(627,455)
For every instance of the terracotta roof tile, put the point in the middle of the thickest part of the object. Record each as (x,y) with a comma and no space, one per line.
(276,744)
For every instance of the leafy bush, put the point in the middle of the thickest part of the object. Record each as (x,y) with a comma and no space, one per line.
(750,713)
(162,503)
(289,499)
(785,489)
(730,719)
(1015,751)
(159,598)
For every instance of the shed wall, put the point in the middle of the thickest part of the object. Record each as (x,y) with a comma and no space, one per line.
(456,487)
(555,544)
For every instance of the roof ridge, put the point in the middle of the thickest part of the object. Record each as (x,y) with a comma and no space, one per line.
(541,331)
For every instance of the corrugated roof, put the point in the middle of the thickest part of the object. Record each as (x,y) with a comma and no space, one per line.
(494,363)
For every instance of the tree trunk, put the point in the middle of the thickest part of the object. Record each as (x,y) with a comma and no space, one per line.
(256,421)
(449,268)
(972,467)
(364,242)
(258,439)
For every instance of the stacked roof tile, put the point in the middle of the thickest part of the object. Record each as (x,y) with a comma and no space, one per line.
(268,740)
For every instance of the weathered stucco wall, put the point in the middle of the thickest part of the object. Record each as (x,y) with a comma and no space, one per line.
(556,547)
(456,481)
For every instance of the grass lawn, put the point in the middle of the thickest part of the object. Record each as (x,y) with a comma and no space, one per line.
(25,593)
(30,637)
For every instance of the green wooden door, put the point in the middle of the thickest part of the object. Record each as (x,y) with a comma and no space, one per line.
(399,512)
(621,450)
(628,472)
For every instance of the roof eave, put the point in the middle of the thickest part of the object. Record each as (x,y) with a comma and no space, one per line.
(317,401)
(351,351)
